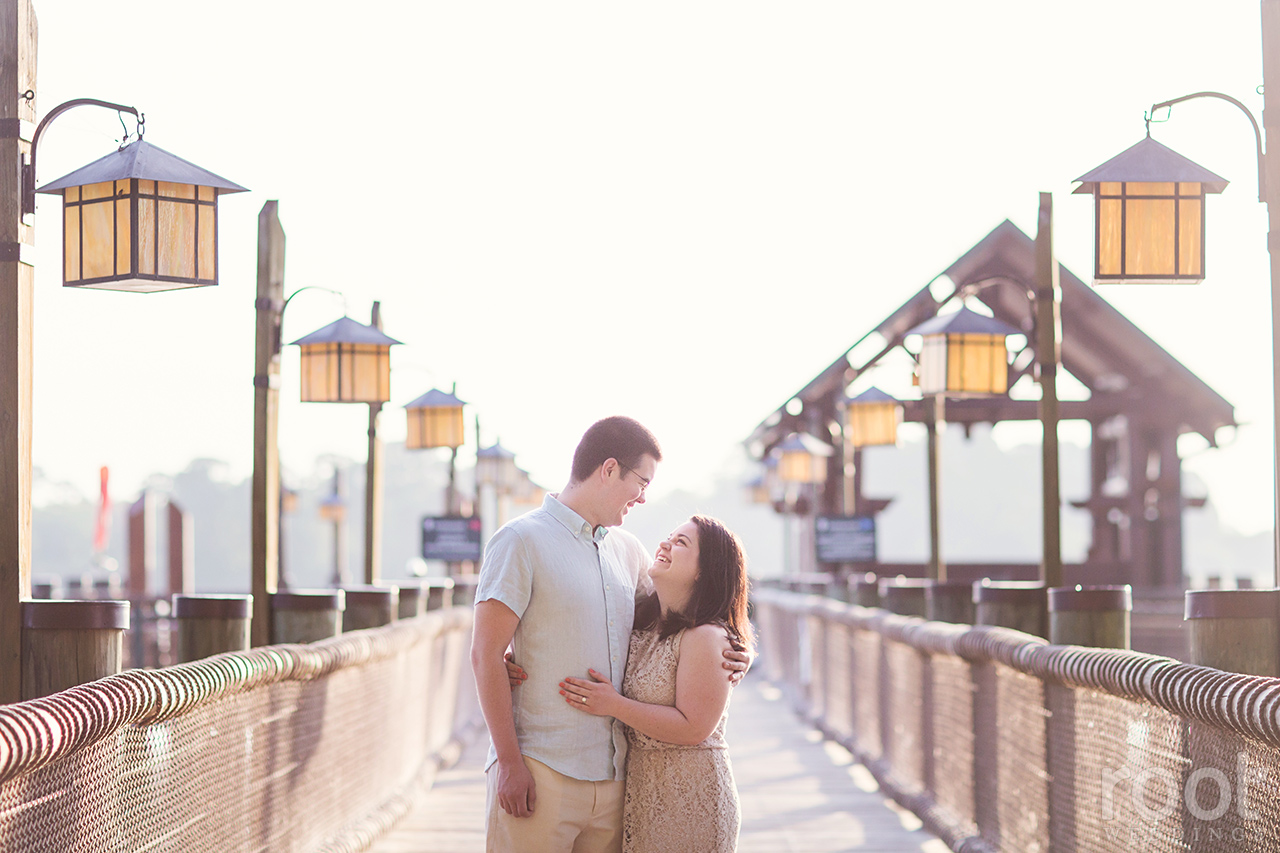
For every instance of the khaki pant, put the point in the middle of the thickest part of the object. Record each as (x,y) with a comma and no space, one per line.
(569,816)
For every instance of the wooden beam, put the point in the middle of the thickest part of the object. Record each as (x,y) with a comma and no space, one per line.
(266,418)
(17,288)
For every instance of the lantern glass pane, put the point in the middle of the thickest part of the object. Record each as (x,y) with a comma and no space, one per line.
(1186,189)
(168,189)
(124,234)
(206,255)
(319,383)
(366,373)
(933,364)
(177,237)
(1110,227)
(977,364)
(72,194)
(1160,188)
(147,187)
(872,424)
(97,238)
(71,242)
(105,189)
(1150,237)
(207,194)
(146,235)
(1190,256)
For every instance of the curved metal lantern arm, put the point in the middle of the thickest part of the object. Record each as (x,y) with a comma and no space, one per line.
(29,168)
(1257,131)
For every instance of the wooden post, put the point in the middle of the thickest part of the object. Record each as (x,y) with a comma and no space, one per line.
(142,545)
(370,607)
(1235,630)
(439,593)
(1097,616)
(66,643)
(302,616)
(181,550)
(1048,347)
(936,425)
(904,596)
(413,598)
(373,486)
(211,624)
(1020,605)
(949,601)
(17,282)
(863,589)
(265,565)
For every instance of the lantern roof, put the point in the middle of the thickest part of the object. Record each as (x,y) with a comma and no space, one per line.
(873,395)
(347,331)
(802,441)
(436,399)
(1149,161)
(963,322)
(497,451)
(141,160)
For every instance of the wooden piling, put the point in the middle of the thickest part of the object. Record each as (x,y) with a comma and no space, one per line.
(904,596)
(1235,630)
(1020,605)
(369,607)
(304,616)
(1097,616)
(66,643)
(211,624)
(949,601)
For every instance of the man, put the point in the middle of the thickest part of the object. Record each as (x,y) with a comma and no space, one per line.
(558,586)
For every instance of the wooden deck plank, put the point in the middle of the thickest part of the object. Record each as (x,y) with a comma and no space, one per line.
(799,794)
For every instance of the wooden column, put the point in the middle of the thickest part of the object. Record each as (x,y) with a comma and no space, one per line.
(370,607)
(142,545)
(373,486)
(304,616)
(211,624)
(265,564)
(1047,348)
(936,426)
(67,643)
(17,280)
(181,550)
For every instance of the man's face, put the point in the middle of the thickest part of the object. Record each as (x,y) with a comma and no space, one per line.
(627,487)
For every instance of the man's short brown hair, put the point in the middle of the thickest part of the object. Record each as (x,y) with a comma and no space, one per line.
(618,437)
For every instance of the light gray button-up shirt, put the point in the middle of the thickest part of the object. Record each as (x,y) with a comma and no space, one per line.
(574,590)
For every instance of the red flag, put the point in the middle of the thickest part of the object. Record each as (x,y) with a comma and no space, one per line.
(102,530)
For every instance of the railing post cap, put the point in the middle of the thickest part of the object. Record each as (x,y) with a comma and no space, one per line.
(211,606)
(1100,598)
(56,614)
(987,591)
(309,599)
(1232,604)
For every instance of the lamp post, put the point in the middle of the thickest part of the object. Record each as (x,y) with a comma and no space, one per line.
(496,473)
(963,354)
(345,362)
(800,464)
(333,509)
(18,147)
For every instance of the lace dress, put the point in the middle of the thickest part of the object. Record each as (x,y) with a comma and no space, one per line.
(679,799)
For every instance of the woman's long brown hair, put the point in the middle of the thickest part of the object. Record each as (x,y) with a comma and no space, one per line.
(719,592)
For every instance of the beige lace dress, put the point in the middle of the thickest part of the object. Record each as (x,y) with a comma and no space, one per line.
(679,799)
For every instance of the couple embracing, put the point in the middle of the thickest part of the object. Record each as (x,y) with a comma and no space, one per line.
(614,740)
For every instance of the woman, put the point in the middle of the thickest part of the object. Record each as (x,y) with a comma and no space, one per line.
(680,793)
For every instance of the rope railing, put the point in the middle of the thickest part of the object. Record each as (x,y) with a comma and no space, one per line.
(284,748)
(1000,741)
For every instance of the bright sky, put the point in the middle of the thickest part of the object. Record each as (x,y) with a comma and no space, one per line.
(680,211)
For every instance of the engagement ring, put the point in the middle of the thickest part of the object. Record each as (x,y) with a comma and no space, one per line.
(584,699)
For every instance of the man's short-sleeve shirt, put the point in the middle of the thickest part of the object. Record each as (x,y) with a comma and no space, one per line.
(574,589)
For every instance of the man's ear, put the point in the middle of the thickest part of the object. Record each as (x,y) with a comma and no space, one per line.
(607,467)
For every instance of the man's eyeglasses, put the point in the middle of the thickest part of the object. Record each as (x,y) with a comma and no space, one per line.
(644,483)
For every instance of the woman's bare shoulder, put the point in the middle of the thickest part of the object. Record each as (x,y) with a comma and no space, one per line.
(709,636)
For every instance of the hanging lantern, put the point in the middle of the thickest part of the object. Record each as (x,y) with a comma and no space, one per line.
(1149,215)
(333,509)
(496,466)
(435,420)
(963,355)
(346,362)
(872,418)
(140,220)
(802,458)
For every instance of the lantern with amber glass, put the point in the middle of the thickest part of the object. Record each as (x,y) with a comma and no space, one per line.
(435,420)
(140,220)
(496,466)
(1149,216)
(801,458)
(963,355)
(872,418)
(346,362)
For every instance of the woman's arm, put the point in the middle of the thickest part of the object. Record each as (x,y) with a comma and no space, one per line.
(701,693)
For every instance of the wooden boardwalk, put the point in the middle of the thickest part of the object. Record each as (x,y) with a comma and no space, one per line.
(799,794)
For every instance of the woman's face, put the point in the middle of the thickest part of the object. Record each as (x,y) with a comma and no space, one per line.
(675,566)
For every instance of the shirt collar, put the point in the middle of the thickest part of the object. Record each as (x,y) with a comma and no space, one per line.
(576,524)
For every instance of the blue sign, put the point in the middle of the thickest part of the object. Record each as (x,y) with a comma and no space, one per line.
(845,538)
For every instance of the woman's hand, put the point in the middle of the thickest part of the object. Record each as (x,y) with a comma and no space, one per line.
(596,697)
(515,673)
